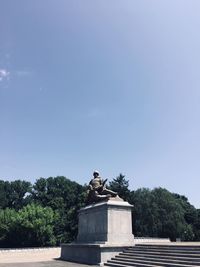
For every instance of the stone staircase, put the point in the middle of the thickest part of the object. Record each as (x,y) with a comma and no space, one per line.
(150,255)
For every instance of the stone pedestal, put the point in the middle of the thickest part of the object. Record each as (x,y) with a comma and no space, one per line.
(104,230)
(108,222)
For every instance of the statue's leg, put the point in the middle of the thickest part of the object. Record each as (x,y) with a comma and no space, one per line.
(109,192)
(94,196)
(101,197)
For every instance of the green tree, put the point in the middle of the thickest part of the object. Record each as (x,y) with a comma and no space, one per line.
(143,218)
(51,217)
(5,191)
(14,194)
(58,192)
(8,218)
(158,213)
(190,213)
(120,185)
(197,226)
(31,226)
(66,198)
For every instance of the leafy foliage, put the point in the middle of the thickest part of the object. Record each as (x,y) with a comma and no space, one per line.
(31,226)
(45,213)
(120,185)
(65,197)
(14,194)
(159,213)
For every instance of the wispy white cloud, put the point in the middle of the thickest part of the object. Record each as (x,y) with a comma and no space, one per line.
(4,74)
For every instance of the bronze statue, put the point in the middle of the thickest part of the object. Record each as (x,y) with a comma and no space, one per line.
(97,190)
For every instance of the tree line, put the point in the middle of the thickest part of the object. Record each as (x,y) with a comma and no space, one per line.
(46,213)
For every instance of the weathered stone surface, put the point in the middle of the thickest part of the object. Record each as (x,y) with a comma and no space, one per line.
(89,253)
(104,230)
(106,222)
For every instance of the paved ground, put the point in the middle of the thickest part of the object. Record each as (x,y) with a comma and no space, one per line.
(48,257)
(29,255)
(34,258)
(44,264)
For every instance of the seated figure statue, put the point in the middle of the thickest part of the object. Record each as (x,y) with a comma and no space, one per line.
(97,190)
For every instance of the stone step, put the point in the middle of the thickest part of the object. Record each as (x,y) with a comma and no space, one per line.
(182,247)
(165,250)
(136,262)
(170,253)
(160,260)
(190,259)
(157,255)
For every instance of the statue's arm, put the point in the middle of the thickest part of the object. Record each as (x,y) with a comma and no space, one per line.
(90,187)
(104,182)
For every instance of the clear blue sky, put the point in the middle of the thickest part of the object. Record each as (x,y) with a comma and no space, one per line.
(108,85)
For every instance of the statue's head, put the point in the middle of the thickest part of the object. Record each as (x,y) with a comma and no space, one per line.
(95,173)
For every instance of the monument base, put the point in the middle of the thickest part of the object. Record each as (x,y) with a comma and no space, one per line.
(108,222)
(90,253)
(104,230)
